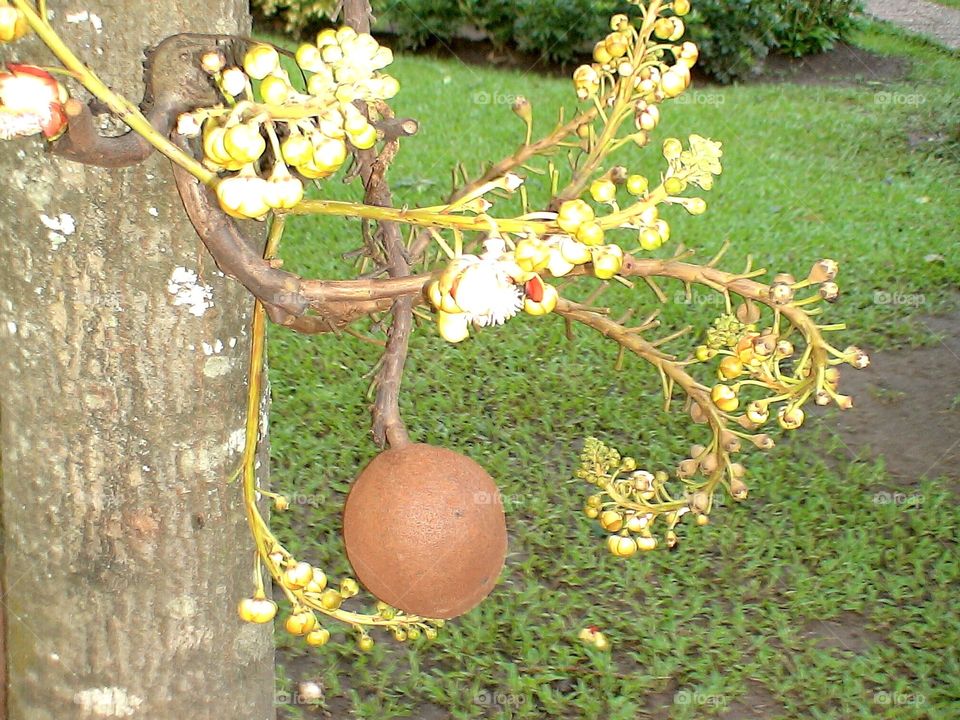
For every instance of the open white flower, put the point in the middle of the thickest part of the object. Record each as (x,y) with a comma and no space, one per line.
(485,292)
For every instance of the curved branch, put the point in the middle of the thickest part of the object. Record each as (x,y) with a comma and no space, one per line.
(745,287)
(277,289)
(669,368)
(174,83)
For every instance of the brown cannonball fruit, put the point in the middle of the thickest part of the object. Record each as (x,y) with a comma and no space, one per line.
(424,530)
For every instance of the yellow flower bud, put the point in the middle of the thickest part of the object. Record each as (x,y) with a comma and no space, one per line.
(301,623)
(308,57)
(318,637)
(574,251)
(637,184)
(364,139)
(329,153)
(672,83)
(453,327)
(590,233)
(572,214)
(650,239)
(532,255)
(257,610)
(274,90)
(603,191)
(607,261)
(297,149)
(260,61)
(724,397)
(672,148)
(622,546)
(244,143)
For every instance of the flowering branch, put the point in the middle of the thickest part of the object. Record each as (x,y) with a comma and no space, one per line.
(245,140)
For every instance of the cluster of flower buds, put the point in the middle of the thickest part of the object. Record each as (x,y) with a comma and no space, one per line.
(630,501)
(31,102)
(710,462)
(307,585)
(584,241)
(13,23)
(617,56)
(750,357)
(577,221)
(273,135)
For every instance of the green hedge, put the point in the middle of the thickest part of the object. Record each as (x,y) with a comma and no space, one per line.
(733,35)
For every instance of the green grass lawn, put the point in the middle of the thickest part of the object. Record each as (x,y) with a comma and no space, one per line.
(809,600)
(949,3)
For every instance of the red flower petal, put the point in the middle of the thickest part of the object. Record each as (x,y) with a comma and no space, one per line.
(55,123)
(534,289)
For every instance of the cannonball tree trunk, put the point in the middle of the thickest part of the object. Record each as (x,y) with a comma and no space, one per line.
(122,380)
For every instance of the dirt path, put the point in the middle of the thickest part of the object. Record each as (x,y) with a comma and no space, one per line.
(919,16)
(907,408)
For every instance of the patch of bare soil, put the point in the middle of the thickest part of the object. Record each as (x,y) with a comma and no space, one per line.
(907,408)
(843,65)
(845,633)
(756,704)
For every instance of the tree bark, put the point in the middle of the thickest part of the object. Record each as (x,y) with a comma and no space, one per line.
(122,367)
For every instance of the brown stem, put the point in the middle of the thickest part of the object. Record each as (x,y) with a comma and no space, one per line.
(667,367)
(83,144)
(525,153)
(388,426)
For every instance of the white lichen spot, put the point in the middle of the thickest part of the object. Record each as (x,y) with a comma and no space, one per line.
(182,607)
(153,211)
(54,657)
(186,289)
(212,349)
(11,327)
(107,702)
(84,16)
(232,342)
(217,366)
(59,228)
(237,441)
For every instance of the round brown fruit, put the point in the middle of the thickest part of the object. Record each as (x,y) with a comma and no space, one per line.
(424,530)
